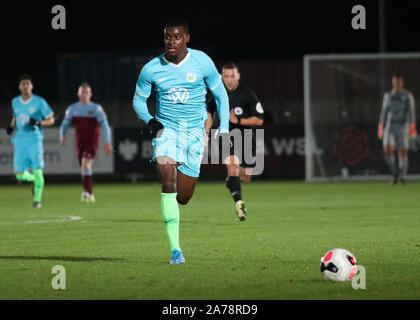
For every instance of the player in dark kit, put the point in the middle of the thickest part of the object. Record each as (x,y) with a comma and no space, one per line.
(246,112)
(86,117)
(397,124)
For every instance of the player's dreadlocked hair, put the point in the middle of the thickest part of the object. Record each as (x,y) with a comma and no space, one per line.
(25,77)
(178,23)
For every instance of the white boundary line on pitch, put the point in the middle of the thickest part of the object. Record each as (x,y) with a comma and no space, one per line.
(69,218)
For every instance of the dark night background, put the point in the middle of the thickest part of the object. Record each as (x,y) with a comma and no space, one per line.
(106,43)
(237,30)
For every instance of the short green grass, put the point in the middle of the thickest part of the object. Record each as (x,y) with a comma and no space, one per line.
(119,250)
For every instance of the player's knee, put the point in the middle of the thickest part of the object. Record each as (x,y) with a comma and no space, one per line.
(183,199)
(169,186)
(245,178)
(233,170)
(388,152)
(86,164)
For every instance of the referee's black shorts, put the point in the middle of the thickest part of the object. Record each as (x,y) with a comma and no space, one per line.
(240,149)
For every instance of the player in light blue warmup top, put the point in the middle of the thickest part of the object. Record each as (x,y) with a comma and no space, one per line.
(30,114)
(180,77)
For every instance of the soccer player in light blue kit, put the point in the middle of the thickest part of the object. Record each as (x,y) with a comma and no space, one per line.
(180,77)
(30,114)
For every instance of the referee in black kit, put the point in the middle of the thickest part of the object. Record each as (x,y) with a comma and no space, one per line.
(246,112)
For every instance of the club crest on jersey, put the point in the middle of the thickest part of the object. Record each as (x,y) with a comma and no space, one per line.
(191,77)
(31,109)
(238,111)
(178,95)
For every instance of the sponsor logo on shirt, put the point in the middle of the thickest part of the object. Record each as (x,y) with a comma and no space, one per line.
(178,95)
(23,119)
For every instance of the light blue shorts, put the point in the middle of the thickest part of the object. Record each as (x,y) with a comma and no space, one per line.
(28,154)
(185,147)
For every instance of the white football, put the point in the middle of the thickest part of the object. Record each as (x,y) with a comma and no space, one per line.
(338,265)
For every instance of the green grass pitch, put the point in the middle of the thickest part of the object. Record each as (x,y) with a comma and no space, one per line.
(119,250)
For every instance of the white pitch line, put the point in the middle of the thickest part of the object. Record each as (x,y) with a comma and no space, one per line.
(69,218)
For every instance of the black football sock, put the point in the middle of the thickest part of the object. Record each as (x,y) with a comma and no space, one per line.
(234,186)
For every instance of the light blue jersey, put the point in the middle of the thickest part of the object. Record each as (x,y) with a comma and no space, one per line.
(28,149)
(181,106)
(180,90)
(36,108)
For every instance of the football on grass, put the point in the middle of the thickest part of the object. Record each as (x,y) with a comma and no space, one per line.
(338,265)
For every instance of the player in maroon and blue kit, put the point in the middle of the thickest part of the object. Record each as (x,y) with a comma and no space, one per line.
(86,116)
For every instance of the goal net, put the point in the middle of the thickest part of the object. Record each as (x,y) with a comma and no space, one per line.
(343,98)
